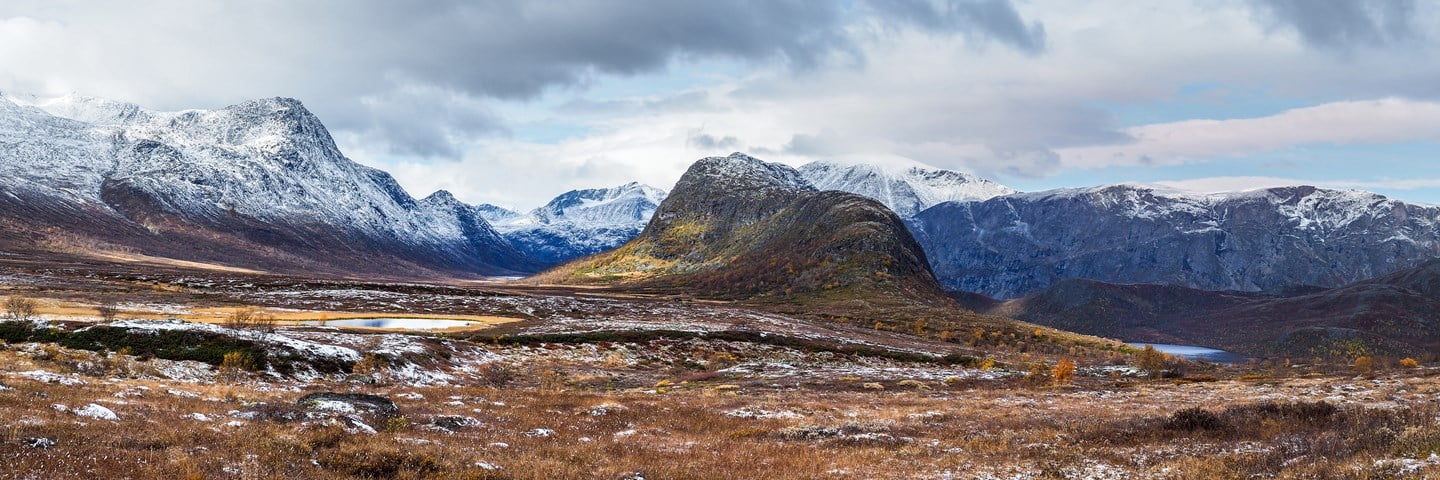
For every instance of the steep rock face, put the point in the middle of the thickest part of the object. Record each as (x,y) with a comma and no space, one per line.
(579,222)
(262,180)
(1264,240)
(738,227)
(906,190)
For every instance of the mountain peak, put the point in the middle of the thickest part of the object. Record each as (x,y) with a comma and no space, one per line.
(739,170)
(441,197)
(625,204)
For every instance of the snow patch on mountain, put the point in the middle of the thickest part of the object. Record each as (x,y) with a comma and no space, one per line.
(907,190)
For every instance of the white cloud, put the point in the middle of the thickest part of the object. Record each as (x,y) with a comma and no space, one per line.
(1381,121)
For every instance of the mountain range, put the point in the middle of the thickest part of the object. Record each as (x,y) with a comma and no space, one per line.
(577,223)
(261,185)
(1261,240)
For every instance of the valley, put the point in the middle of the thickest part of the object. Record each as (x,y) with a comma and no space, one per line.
(223,294)
(592,382)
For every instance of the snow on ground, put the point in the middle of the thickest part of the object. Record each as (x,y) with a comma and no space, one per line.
(96,412)
(310,349)
(47,377)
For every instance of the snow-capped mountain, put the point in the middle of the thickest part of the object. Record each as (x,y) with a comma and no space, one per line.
(579,222)
(906,190)
(263,179)
(496,214)
(1262,240)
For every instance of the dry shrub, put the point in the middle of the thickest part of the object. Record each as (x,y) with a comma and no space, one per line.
(1296,412)
(699,376)
(374,462)
(251,318)
(1039,374)
(1195,420)
(1150,360)
(615,361)
(913,384)
(497,374)
(373,368)
(108,311)
(20,308)
(1409,363)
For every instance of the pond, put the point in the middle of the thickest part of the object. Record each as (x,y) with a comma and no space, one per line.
(400,323)
(1192,352)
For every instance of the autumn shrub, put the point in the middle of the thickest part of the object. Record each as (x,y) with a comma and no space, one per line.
(1409,363)
(1063,372)
(1364,364)
(235,364)
(1150,360)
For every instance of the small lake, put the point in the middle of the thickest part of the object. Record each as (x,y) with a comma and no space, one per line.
(400,323)
(1192,352)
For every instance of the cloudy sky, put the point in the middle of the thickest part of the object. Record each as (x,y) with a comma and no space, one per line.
(514,101)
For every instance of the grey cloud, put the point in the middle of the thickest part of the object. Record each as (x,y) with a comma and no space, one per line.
(705,141)
(422,121)
(396,55)
(818,145)
(332,54)
(1344,24)
(979,19)
(683,101)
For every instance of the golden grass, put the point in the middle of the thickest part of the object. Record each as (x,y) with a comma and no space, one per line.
(69,309)
(140,259)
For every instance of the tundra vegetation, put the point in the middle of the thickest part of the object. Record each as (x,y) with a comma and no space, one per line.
(596,385)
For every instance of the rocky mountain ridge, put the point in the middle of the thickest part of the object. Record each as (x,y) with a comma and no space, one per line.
(262,180)
(1262,240)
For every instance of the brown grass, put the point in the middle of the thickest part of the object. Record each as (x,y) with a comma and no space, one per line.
(1153,429)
